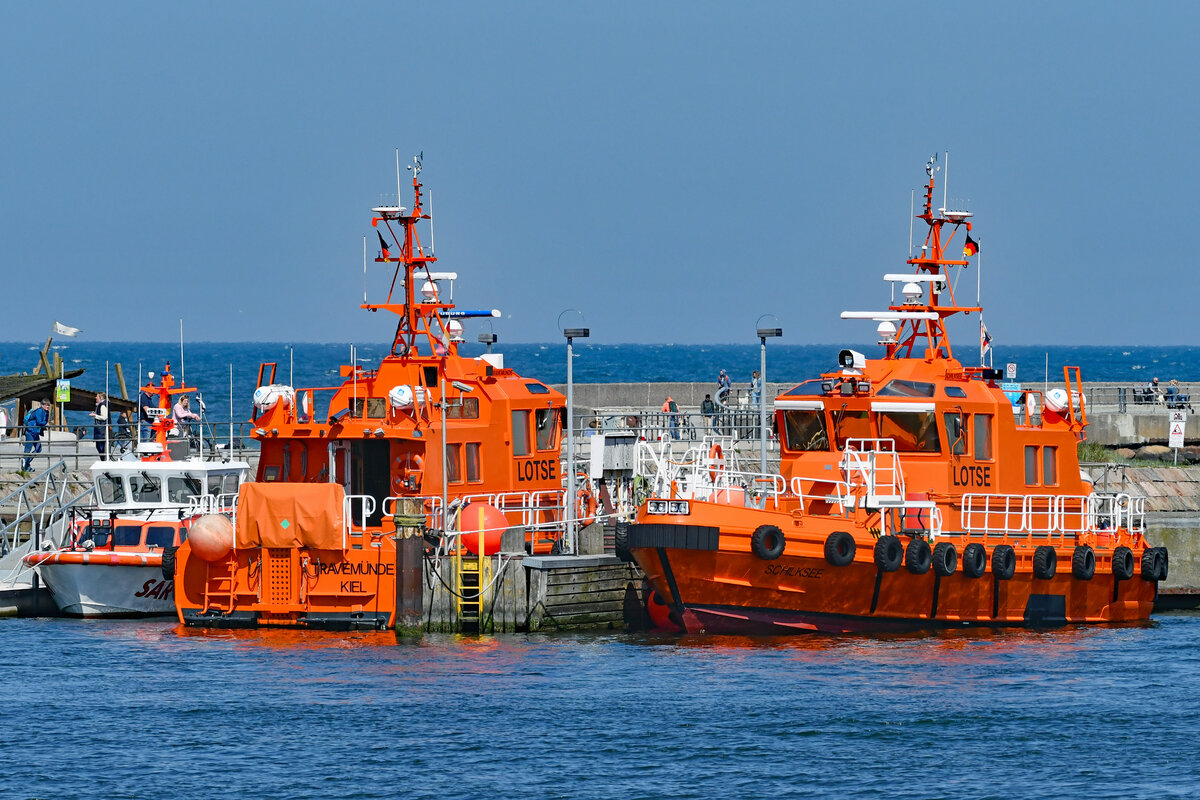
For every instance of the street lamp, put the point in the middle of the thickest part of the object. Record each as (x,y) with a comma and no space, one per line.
(572,521)
(763,335)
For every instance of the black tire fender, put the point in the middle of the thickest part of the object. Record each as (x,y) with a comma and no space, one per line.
(1150,564)
(1083,563)
(974,560)
(621,542)
(889,553)
(1164,564)
(767,542)
(839,548)
(945,559)
(1004,562)
(1045,562)
(1122,563)
(917,556)
(168,562)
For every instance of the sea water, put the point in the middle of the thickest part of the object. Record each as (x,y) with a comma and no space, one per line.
(110,709)
(213,367)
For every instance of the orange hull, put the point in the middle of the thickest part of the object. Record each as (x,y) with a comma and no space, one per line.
(289,587)
(722,586)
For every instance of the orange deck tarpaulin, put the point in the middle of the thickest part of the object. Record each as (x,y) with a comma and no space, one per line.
(290,515)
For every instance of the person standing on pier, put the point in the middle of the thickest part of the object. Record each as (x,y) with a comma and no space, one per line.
(184,416)
(755,388)
(724,385)
(100,428)
(707,409)
(35,423)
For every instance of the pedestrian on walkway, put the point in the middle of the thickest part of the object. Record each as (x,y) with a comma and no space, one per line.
(35,424)
(100,428)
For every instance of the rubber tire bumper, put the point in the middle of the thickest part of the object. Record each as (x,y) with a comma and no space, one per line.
(917,556)
(1045,562)
(621,542)
(974,560)
(1122,563)
(1154,564)
(168,562)
(945,559)
(1083,563)
(889,553)
(1004,562)
(767,542)
(839,548)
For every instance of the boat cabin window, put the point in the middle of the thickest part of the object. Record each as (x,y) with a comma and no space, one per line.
(453,462)
(1031,459)
(912,431)
(463,408)
(222,483)
(537,388)
(127,535)
(473,474)
(956,432)
(806,389)
(520,433)
(98,534)
(851,425)
(899,388)
(983,437)
(955,391)
(112,488)
(160,536)
(375,407)
(145,488)
(429,376)
(805,430)
(1050,466)
(182,488)
(546,421)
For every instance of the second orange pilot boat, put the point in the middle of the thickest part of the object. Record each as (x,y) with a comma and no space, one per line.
(912,492)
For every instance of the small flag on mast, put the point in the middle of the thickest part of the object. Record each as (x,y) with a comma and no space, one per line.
(970,247)
(985,341)
(65,330)
(383,245)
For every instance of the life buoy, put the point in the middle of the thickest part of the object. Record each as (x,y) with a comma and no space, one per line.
(585,502)
(716,461)
(767,542)
(408,474)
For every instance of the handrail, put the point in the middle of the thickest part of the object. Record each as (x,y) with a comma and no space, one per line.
(53,481)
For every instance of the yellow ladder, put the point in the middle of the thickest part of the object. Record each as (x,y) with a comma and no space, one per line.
(471,575)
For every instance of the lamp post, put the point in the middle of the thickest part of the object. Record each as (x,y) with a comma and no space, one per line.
(763,335)
(572,521)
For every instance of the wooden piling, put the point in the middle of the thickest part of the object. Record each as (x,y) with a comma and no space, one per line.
(121,381)
(410,577)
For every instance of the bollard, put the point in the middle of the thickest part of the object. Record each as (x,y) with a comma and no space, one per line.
(410,568)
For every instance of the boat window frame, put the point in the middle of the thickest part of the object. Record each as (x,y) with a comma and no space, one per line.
(120,536)
(916,389)
(790,430)
(116,481)
(144,480)
(172,538)
(543,417)
(1049,465)
(454,462)
(520,432)
(886,420)
(840,415)
(959,445)
(982,434)
(474,462)
(1031,464)
(463,408)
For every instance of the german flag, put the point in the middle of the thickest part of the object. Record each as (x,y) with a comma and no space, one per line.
(970,247)
(383,246)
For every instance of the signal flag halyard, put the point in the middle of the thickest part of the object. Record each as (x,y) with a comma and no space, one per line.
(970,247)
(383,245)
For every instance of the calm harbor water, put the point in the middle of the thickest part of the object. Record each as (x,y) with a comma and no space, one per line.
(151,710)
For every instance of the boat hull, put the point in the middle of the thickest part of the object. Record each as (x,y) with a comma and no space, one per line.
(103,590)
(714,588)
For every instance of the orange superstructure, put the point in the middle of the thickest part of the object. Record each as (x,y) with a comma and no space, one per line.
(912,491)
(421,434)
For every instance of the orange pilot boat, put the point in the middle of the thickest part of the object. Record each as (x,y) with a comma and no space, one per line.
(912,492)
(419,439)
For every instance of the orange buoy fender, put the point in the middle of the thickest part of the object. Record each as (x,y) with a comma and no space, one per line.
(211,537)
(481,527)
(585,502)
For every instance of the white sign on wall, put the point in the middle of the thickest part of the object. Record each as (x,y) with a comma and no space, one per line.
(1178,421)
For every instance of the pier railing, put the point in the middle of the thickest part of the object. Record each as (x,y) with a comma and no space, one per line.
(78,449)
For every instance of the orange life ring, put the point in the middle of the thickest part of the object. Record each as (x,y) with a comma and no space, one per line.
(585,502)
(716,461)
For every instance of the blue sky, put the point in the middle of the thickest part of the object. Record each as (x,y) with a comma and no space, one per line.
(672,170)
